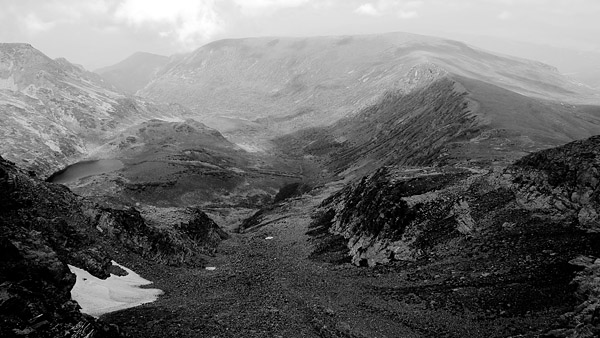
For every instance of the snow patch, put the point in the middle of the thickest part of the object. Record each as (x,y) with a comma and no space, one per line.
(99,296)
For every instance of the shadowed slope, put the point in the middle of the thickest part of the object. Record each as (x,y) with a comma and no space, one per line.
(455,120)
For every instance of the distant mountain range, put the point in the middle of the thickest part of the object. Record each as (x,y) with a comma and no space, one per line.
(316,81)
(257,89)
(582,66)
(357,101)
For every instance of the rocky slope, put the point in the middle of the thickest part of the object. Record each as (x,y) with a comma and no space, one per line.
(531,225)
(133,73)
(44,227)
(54,112)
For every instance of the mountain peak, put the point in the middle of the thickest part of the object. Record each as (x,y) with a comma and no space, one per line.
(4,46)
(134,72)
(134,60)
(21,52)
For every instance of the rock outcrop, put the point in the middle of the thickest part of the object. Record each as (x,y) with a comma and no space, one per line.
(531,220)
(564,181)
(388,215)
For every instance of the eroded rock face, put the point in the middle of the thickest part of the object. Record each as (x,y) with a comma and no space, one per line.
(44,227)
(564,181)
(384,215)
(393,204)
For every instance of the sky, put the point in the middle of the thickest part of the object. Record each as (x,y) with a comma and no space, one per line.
(97,33)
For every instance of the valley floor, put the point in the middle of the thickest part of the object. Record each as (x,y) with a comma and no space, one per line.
(276,288)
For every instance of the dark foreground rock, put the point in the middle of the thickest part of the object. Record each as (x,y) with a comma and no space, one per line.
(522,240)
(44,227)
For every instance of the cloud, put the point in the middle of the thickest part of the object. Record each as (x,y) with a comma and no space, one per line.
(367,9)
(44,16)
(33,24)
(191,22)
(505,15)
(267,7)
(407,14)
(403,9)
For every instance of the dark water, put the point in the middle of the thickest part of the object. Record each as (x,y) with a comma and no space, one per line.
(85,169)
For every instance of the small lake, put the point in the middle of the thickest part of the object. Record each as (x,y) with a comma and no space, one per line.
(84,169)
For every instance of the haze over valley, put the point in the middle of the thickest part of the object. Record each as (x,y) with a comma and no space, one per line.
(364,184)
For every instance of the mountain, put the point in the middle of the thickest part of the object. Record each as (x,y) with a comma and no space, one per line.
(133,73)
(304,82)
(55,112)
(373,186)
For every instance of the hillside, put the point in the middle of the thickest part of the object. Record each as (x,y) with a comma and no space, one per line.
(133,73)
(54,112)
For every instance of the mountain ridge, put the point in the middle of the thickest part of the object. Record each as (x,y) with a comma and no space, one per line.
(296,83)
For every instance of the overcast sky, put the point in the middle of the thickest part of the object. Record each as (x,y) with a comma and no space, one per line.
(97,33)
